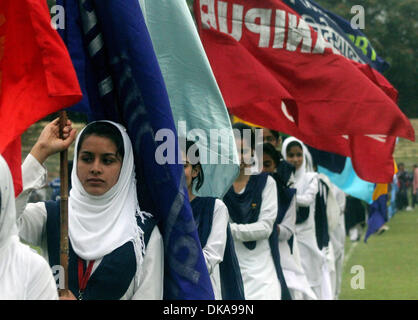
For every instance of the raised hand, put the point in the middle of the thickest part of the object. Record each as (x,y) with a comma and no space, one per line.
(49,141)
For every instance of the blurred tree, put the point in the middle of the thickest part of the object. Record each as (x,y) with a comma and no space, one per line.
(51,3)
(190,4)
(392,28)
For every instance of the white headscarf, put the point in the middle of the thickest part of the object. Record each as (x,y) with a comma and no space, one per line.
(23,273)
(97,225)
(306,166)
(8,228)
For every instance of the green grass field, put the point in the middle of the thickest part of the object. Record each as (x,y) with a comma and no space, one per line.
(390,262)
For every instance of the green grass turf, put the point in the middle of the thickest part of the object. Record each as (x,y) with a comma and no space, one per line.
(390,262)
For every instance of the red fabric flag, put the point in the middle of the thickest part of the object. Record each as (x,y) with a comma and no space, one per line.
(37,77)
(372,157)
(256,46)
(12,155)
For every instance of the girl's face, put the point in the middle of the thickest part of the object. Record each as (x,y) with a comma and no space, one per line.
(189,172)
(295,156)
(268,137)
(268,163)
(244,152)
(98,165)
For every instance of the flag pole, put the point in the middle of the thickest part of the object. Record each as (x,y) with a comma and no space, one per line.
(63,206)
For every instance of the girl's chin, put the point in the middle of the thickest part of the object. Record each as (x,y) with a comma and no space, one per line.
(95,191)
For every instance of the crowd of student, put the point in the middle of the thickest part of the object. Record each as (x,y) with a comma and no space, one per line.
(277,234)
(405,182)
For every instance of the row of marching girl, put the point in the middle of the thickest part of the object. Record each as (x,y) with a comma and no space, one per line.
(237,233)
(113,254)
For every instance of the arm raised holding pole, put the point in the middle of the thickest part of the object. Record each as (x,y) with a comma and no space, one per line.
(57,137)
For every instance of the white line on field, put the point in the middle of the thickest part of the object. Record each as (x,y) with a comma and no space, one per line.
(350,252)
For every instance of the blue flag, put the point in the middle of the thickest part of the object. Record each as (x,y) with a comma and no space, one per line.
(333,162)
(72,36)
(338,32)
(378,214)
(360,41)
(124,83)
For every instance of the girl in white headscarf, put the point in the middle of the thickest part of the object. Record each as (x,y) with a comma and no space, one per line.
(252,207)
(306,184)
(24,275)
(107,247)
(295,277)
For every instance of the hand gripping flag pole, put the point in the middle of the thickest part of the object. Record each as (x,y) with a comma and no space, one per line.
(64,205)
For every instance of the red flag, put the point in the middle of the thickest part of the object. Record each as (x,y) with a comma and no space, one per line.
(372,157)
(12,155)
(37,77)
(333,96)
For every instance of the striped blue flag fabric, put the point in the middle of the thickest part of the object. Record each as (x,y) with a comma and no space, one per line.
(198,108)
(352,43)
(123,82)
(360,41)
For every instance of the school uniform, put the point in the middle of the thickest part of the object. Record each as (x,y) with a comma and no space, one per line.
(337,238)
(311,258)
(24,274)
(211,217)
(253,213)
(294,275)
(105,239)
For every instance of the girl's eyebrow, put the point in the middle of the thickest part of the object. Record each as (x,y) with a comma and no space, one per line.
(103,154)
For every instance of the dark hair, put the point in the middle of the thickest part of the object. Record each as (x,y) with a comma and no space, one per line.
(272,152)
(241,127)
(293,144)
(200,177)
(105,130)
(275,134)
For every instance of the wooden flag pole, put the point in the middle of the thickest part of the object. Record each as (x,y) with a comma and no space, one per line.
(64,251)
